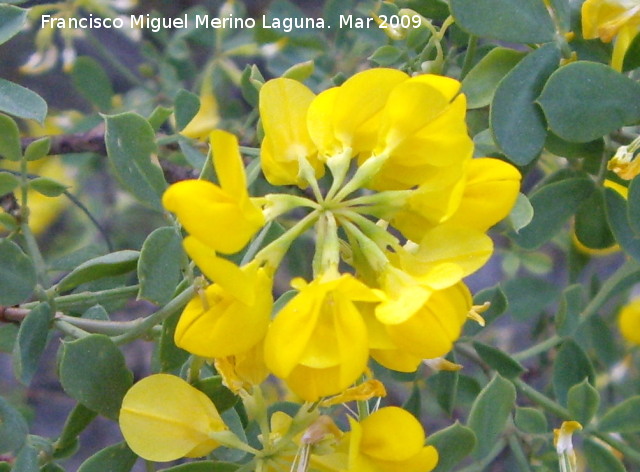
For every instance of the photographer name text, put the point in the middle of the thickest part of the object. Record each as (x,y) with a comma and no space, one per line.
(286,24)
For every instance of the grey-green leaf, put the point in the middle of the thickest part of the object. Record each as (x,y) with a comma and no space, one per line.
(130,142)
(490,413)
(93,82)
(12,20)
(583,101)
(31,341)
(504,364)
(480,84)
(600,458)
(571,367)
(531,420)
(46,186)
(10,147)
(548,216)
(17,274)
(8,183)
(159,265)
(13,428)
(453,443)
(116,458)
(203,466)
(115,263)
(187,105)
(37,149)
(93,371)
(582,401)
(21,102)
(622,418)
(617,216)
(27,459)
(517,21)
(517,122)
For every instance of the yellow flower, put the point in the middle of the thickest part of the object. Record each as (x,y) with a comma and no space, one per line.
(564,446)
(227,320)
(629,321)
(608,19)
(389,440)
(207,117)
(204,208)
(163,418)
(318,341)
(482,194)
(283,109)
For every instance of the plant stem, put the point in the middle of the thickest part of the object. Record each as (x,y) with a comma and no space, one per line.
(538,348)
(542,400)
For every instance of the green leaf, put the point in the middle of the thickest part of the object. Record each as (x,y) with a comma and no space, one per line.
(591,226)
(171,357)
(46,186)
(27,459)
(583,401)
(300,72)
(37,149)
(12,19)
(220,395)
(583,101)
(504,364)
(386,55)
(516,21)
(446,387)
(498,305)
(21,102)
(490,413)
(13,428)
(413,404)
(10,146)
(79,418)
(8,336)
(130,141)
(617,216)
(31,341)
(548,216)
(517,123)
(186,105)
(159,265)
(116,458)
(571,367)
(622,418)
(17,274)
(51,467)
(109,265)
(531,420)
(8,183)
(568,315)
(158,116)
(600,458)
(522,213)
(481,82)
(93,371)
(93,82)
(632,55)
(453,443)
(633,206)
(528,296)
(203,466)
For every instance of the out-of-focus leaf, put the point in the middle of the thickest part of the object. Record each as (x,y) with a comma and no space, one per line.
(531,420)
(21,102)
(10,147)
(601,458)
(490,412)
(116,458)
(582,401)
(13,428)
(571,367)
(159,265)
(93,82)
(12,19)
(622,418)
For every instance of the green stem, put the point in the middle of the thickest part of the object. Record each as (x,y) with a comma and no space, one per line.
(469,56)
(71,330)
(158,317)
(518,453)
(538,348)
(542,400)
(375,256)
(480,465)
(83,300)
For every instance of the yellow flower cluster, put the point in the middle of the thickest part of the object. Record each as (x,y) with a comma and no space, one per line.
(399,210)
